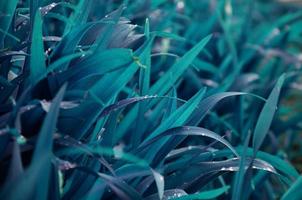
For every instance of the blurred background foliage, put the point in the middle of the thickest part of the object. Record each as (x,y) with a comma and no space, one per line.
(101,99)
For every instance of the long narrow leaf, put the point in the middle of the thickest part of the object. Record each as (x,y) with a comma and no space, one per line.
(266,116)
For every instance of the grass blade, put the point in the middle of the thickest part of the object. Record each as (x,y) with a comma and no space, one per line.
(186,131)
(266,116)
(164,84)
(7,9)
(294,192)
(37,59)
(211,194)
(239,178)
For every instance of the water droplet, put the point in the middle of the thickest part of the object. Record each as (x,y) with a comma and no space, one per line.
(180,5)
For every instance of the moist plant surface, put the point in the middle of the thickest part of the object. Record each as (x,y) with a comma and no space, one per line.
(154,99)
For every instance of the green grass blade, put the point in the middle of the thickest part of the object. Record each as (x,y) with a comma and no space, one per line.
(144,85)
(105,89)
(103,40)
(79,15)
(44,142)
(187,131)
(160,183)
(7,10)
(182,114)
(177,118)
(16,167)
(207,104)
(211,194)
(172,75)
(34,182)
(294,192)
(37,58)
(239,178)
(266,116)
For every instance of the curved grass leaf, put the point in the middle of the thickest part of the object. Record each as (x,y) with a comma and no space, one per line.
(113,107)
(9,54)
(187,131)
(280,165)
(201,173)
(233,164)
(208,103)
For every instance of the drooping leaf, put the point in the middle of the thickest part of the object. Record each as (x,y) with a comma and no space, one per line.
(186,131)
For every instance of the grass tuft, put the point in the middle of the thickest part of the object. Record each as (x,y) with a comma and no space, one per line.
(131,99)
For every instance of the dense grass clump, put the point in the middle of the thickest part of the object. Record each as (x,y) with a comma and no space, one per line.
(155,99)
